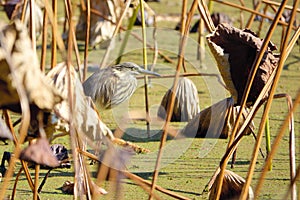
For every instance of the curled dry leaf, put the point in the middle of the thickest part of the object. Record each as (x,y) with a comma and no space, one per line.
(40,153)
(186,105)
(235,51)
(16,53)
(232,187)
(216,121)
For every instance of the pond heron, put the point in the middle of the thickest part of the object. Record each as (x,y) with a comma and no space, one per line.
(113,85)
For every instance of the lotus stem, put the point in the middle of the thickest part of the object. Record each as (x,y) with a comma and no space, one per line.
(270,98)
(32,25)
(210,6)
(87,38)
(166,58)
(118,25)
(171,105)
(127,34)
(36,182)
(15,184)
(268,139)
(145,63)
(24,10)
(244,99)
(24,102)
(276,145)
(250,10)
(182,25)
(54,34)
(44,41)
(252,17)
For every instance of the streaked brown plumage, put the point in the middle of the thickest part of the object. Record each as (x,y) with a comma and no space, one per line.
(113,85)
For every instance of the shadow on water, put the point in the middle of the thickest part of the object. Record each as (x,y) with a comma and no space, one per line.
(139,135)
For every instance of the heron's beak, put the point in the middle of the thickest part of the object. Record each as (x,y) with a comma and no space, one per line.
(144,71)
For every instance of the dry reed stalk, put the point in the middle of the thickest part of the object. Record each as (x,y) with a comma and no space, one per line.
(275,145)
(72,130)
(183,17)
(54,34)
(133,34)
(59,41)
(145,63)
(24,11)
(250,10)
(252,17)
(270,98)
(205,15)
(182,25)
(261,22)
(44,41)
(32,25)
(74,42)
(172,100)
(82,185)
(87,38)
(138,180)
(293,181)
(252,73)
(24,165)
(24,102)
(241,14)
(15,184)
(36,182)
(283,127)
(118,25)
(278,4)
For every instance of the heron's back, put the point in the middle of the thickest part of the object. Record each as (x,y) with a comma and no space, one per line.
(107,88)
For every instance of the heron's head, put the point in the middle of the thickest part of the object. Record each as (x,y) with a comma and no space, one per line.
(129,68)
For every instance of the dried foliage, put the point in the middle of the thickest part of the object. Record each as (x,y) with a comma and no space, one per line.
(235,51)
(16,53)
(85,117)
(216,121)
(40,153)
(232,187)
(101,29)
(186,105)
